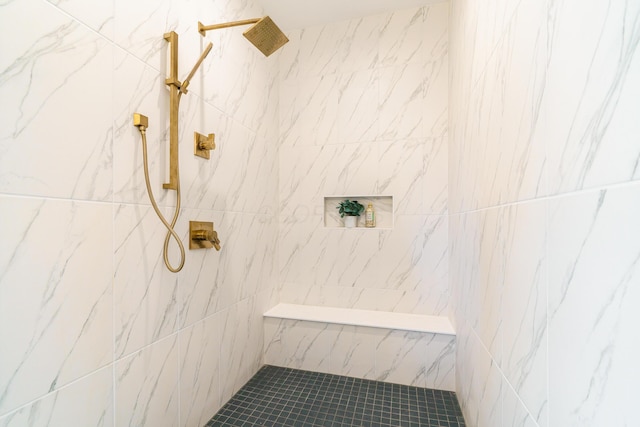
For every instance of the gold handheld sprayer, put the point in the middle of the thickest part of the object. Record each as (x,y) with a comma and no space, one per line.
(267,37)
(177,89)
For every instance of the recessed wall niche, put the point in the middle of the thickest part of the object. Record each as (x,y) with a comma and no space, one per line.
(382,205)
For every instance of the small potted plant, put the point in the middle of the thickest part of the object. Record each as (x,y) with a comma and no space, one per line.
(350,211)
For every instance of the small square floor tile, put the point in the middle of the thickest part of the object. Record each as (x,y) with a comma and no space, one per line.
(285,397)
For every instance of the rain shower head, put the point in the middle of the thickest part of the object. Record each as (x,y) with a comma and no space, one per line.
(264,34)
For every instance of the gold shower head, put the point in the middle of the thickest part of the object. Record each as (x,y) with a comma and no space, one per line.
(264,34)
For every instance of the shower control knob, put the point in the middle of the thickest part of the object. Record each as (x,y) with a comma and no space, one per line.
(203,144)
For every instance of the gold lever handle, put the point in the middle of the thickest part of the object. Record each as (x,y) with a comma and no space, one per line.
(203,236)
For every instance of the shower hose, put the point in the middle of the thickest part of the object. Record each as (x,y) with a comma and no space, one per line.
(170,230)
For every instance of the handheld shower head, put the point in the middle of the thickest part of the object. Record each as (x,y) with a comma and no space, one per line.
(264,34)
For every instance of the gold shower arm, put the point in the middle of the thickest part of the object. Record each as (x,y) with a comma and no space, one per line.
(202,29)
(185,83)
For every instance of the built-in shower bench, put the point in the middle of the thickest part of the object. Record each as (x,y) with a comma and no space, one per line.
(366,318)
(404,348)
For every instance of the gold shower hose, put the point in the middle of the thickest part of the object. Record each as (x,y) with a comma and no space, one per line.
(169,227)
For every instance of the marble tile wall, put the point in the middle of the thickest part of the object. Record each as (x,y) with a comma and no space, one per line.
(400,357)
(93,328)
(544,196)
(364,112)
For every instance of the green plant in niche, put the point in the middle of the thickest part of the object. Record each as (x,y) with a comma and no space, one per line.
(349,208)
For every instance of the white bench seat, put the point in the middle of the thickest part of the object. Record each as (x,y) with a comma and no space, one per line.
(367,318)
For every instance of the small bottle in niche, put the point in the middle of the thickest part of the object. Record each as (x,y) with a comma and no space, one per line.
(369,217)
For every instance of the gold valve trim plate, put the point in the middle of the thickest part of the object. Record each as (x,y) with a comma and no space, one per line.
(203,236)
(203,144)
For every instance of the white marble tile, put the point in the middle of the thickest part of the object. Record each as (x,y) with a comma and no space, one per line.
(318,47)
(200,371)
(477,272)
(400,99)
(348,257)
(259,191)
(202,280)
(242,346)
(358,106)
(594,270)
(522,61)
(440,361)
(308,174)
(410,258)
(309,111)
(486,301)
(140,89)
(86,402)
(401,173)
(204,182)
(403,37)
(590,109)
(55,295)
(400,358)
(473,165)
(52,70)
(461,29)
(307,345)
(139,28)
(359,45)
(244,266)
(524,306)
(335,256)
(435,186)
(353,351)
(274,349)
(145,291)
(147,386)
(259,100)
(226,181)
(479,381)
(435,101)
(435,43)
(98,15)
(227,78)
(393,300)
(501,154)
(413,257)
(290,56)
(463,258)
(237,79)
(514,413)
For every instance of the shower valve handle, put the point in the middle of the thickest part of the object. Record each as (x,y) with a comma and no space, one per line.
(203,236)
(203,144)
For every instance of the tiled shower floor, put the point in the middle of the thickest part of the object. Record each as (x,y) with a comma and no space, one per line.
(281,397)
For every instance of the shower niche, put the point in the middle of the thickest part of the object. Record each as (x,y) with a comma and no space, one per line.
(382,205)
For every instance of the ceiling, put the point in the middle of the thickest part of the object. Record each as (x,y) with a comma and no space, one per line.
(291,14)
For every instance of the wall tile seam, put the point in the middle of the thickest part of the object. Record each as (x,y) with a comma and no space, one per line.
(118,358)
(505,380)
(79,21)
(55,199)
(52,392)
(184,208)
(417,140)
(503,377)
(208,317)
(554,197)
